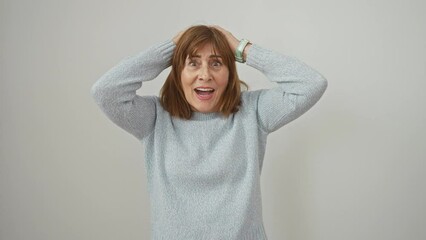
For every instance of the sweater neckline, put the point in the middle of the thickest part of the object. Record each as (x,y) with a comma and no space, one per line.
(204,116)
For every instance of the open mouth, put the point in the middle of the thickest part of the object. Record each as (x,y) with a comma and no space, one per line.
(204,93)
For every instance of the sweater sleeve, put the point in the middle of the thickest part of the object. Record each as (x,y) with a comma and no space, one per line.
(299,87)
(115,91)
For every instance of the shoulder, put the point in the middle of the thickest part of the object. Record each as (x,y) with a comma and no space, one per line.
(250,99)
(158,107)
(249,102)
(250,96)
(154,104)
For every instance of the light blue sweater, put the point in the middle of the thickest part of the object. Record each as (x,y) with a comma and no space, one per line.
(204,173)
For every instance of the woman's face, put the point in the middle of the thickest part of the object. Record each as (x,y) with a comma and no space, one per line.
(204,79)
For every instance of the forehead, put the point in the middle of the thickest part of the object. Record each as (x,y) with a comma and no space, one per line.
(204,50)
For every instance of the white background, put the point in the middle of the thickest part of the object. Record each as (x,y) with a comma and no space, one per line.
(350,168)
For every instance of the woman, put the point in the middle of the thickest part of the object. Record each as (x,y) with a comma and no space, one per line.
(204,138)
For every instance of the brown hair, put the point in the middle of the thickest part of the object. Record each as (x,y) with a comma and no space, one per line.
(172,97)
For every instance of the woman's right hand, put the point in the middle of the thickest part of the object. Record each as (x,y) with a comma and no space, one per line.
(177,37)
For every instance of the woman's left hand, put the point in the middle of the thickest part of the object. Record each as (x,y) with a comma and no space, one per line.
(232,41)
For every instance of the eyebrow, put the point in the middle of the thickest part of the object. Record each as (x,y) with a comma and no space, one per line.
(211,56)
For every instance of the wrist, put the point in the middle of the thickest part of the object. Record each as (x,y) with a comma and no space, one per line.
(246,49)
(241,50)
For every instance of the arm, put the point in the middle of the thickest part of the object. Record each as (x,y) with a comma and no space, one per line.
(299,86)
(115,91)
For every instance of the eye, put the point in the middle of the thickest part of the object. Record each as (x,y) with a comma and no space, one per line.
(192,63)
(216,63)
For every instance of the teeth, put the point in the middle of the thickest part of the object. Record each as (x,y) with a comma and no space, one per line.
(205,89)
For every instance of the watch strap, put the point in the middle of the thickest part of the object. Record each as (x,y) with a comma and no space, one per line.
(239,57)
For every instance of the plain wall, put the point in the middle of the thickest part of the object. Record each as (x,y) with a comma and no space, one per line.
(353,167)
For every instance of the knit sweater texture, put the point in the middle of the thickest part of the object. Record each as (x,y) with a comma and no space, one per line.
(204,173)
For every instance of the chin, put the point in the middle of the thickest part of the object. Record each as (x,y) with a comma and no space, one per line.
(203,109)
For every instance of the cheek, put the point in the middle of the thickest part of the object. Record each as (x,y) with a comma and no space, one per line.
(223,80)
(188,76)
(183,77)
(185,80)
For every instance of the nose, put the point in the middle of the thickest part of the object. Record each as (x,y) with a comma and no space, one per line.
(204,73)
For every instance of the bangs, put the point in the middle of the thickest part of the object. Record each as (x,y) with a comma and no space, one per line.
(219,49)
